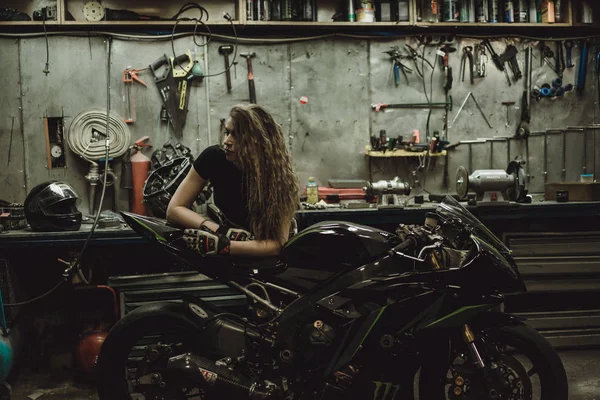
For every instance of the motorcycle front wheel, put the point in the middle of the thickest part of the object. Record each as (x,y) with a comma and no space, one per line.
(521,365)
(132,362)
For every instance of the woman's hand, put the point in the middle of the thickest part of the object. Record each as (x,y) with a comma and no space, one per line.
(235,234)
(206,242)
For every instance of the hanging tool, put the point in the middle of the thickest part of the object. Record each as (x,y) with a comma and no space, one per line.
(569,47)
(182,66)
(251,87)
(129,76)
(582,66)
(496,59)
(478,107)
(444,52)
(167,88)
(523,129)
(225,51)
(510,56)
(508,104)
(560,59)
(383,106)
(467,55)
(481,60)
(398,66)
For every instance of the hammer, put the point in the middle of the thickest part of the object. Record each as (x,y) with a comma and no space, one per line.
(226,50)
(250,76)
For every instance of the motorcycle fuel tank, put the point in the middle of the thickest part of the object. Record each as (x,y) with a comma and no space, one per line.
(335,246)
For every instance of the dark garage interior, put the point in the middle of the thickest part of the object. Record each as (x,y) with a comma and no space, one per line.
(299,199)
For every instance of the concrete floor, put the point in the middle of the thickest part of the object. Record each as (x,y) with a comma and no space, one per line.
(583,370)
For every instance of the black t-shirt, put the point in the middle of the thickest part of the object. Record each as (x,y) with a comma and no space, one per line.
(228,187)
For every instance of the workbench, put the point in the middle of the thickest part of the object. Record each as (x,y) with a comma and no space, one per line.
(556,246)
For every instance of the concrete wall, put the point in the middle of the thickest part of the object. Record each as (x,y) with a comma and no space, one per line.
(341,77)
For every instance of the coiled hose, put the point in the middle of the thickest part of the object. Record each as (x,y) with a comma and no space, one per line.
(86,136)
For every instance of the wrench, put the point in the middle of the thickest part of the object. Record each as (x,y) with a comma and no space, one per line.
(569,47)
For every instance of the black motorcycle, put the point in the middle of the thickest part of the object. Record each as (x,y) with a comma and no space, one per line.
(345,312)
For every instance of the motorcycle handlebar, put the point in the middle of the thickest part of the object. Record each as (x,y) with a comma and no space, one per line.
(407,244)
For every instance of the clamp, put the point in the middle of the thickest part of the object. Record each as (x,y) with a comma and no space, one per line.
(130,75)
(467,55)
(481,60)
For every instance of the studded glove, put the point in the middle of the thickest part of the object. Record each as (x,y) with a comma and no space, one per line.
(206,242)
(235,234)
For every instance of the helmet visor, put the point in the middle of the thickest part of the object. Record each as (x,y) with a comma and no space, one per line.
(54,193)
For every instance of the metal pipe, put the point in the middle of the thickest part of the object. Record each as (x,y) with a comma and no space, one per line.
(545,157)
(584,152)
(564,155)
(256,297)
(276,287)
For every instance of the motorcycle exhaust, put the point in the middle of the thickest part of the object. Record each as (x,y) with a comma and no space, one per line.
(217,377)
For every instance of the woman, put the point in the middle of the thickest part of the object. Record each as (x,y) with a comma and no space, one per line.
(254,185)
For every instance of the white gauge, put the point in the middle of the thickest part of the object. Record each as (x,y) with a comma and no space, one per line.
(93,11)
(56,151)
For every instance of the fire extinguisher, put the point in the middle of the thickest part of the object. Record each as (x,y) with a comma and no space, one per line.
(134,174)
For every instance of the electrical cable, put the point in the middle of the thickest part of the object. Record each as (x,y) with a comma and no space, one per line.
(77,261)
(24,303)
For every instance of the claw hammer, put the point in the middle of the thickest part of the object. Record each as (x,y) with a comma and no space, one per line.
(251,87)
(225,51)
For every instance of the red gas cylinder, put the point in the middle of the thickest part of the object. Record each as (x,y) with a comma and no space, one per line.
(86,353)
(140,166)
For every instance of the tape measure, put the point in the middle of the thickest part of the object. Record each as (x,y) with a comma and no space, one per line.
(93,11)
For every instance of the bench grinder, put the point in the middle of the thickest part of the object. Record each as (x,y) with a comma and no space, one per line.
(388,192)
(493,186)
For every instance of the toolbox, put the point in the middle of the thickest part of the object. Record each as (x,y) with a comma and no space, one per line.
(12,216)
(577,191)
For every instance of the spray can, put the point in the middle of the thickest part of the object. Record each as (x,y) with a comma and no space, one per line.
(509,11)
(250,10)
(351,15)
(471,6)
(538,10)
(532,11)
(285,10)
(557,15)
(450,11)
(586,13)
(481,9)
(494,11)
(522,11)
(464,11)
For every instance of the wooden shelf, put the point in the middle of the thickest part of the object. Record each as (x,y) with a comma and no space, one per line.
(402,153)
(313,23)
(144,23)
(491,25)
(27,23)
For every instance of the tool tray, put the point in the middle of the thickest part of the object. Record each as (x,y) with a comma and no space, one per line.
(12,216)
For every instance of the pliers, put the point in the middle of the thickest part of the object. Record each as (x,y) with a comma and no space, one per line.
(414,55)
(467,55)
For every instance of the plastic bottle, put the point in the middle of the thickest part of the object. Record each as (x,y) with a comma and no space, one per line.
(312,191)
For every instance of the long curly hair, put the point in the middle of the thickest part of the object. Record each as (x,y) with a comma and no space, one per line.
(267,169)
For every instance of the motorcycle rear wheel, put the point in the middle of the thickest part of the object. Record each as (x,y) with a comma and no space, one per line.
(125,355)
(527,360)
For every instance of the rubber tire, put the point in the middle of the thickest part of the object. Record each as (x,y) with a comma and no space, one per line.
(110,367)
(553,378)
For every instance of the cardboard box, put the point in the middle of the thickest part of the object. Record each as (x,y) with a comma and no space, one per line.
(578,191)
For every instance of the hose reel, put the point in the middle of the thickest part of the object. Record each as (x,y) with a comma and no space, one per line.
(493,186)
(87,138)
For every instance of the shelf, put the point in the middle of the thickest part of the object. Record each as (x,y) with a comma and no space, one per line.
(402,153)
(313,23)
(491,25)
(145,23)
(27,23)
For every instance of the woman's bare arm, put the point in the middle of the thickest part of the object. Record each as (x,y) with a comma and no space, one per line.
(179,212)
(260,248)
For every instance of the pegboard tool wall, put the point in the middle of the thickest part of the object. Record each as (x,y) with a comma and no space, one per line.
(340,77)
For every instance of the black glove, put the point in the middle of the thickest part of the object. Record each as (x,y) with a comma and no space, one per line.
(235,234)
(206,242)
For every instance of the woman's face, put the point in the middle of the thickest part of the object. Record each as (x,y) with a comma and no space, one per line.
(229,142)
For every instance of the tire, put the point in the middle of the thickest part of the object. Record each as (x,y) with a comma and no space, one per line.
(115,352)
(529,343)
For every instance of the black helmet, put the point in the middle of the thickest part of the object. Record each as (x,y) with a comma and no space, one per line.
(52,206)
